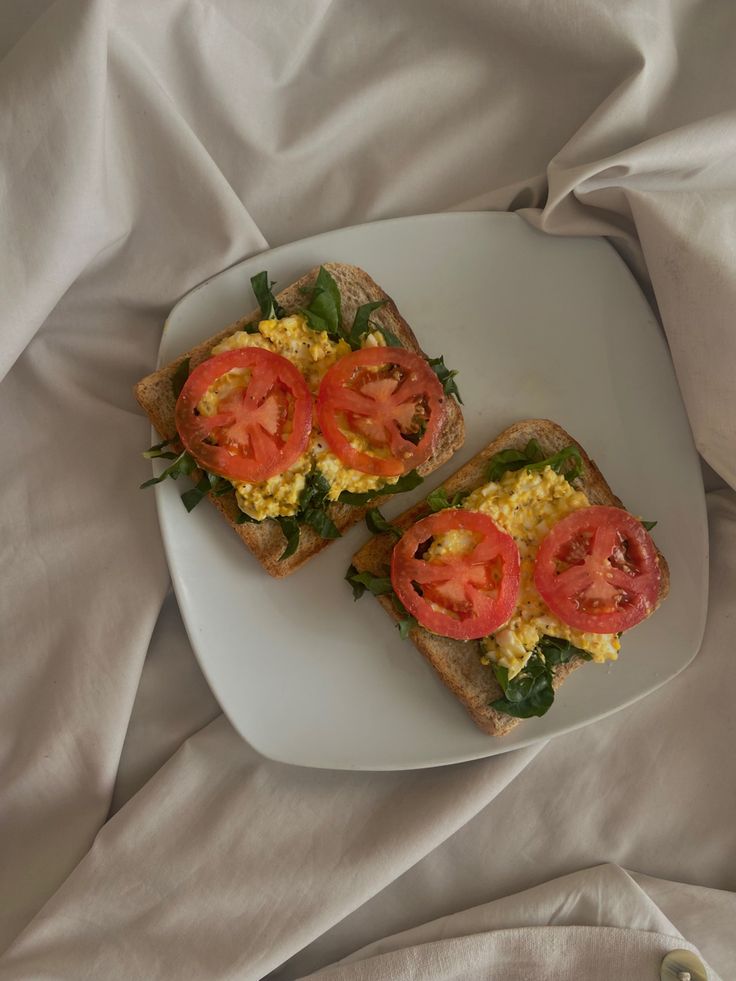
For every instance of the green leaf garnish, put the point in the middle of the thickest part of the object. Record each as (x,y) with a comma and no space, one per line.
(381,586)
(531,693)
(270,308)
(324,312)
(311,510)
(209,482)
(153,452)
(446,377)
(438,499)
(244,518)
(649,525)
(406,483)
(406,622)
(360,581)
(378,525)
(362,325)
(568,462)
(322,523)
(179,378)
(191,498)
(183,464)
(290,528)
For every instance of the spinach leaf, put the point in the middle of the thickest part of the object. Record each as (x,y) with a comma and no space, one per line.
(446,377)
(178,379)
(406,622)
(530,692)
(438,499)
(244,518)
(313,506)
(290,528)
(209,482)
(312,511)
(325,308)
(377,524)
(362,324)
(557,651)
(649,525)
(153,452)
(270,308)
(360,581)
(406,483)
(568,462)
(183,464)
(381,586)
(321,522)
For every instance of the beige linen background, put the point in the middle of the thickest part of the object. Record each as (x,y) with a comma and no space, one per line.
(146,146)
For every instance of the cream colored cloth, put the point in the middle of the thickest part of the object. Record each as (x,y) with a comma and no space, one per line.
(146,146)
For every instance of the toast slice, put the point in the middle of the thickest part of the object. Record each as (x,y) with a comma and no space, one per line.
(458,662)
(155,395)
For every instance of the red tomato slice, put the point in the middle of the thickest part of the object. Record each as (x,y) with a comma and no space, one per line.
(259,429)
(597,570)
(389,396)
(463,596)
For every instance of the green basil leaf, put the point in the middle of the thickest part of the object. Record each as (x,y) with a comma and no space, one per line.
(406,483)
(290,528)
(183,464)
(377,524)
(362,324)
(647,524)
(446,376)
(270,308)
(178,379)
(438,499)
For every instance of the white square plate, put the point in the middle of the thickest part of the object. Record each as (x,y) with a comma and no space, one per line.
(537,326)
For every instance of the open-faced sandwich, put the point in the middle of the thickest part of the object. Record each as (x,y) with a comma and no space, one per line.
(514,572)
(295,418)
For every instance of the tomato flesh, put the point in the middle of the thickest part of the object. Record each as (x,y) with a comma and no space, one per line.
(392,399)
(463,596)
(259,429)
(597,570)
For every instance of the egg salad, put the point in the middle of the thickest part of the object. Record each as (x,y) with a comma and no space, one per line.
(313,353)
(526,504)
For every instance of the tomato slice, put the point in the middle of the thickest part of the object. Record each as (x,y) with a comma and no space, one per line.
(462,595)
(598,571)
(260,427)
(391,398)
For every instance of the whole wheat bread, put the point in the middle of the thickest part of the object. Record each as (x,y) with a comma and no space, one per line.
(156,396)
(458,662)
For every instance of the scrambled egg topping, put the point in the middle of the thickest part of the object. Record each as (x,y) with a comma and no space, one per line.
(313,353)
(526,504)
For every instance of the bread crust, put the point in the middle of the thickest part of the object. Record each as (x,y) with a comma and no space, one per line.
(458,662)
(265,540)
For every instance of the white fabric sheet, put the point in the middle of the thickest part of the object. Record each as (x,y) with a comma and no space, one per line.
(146,146)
